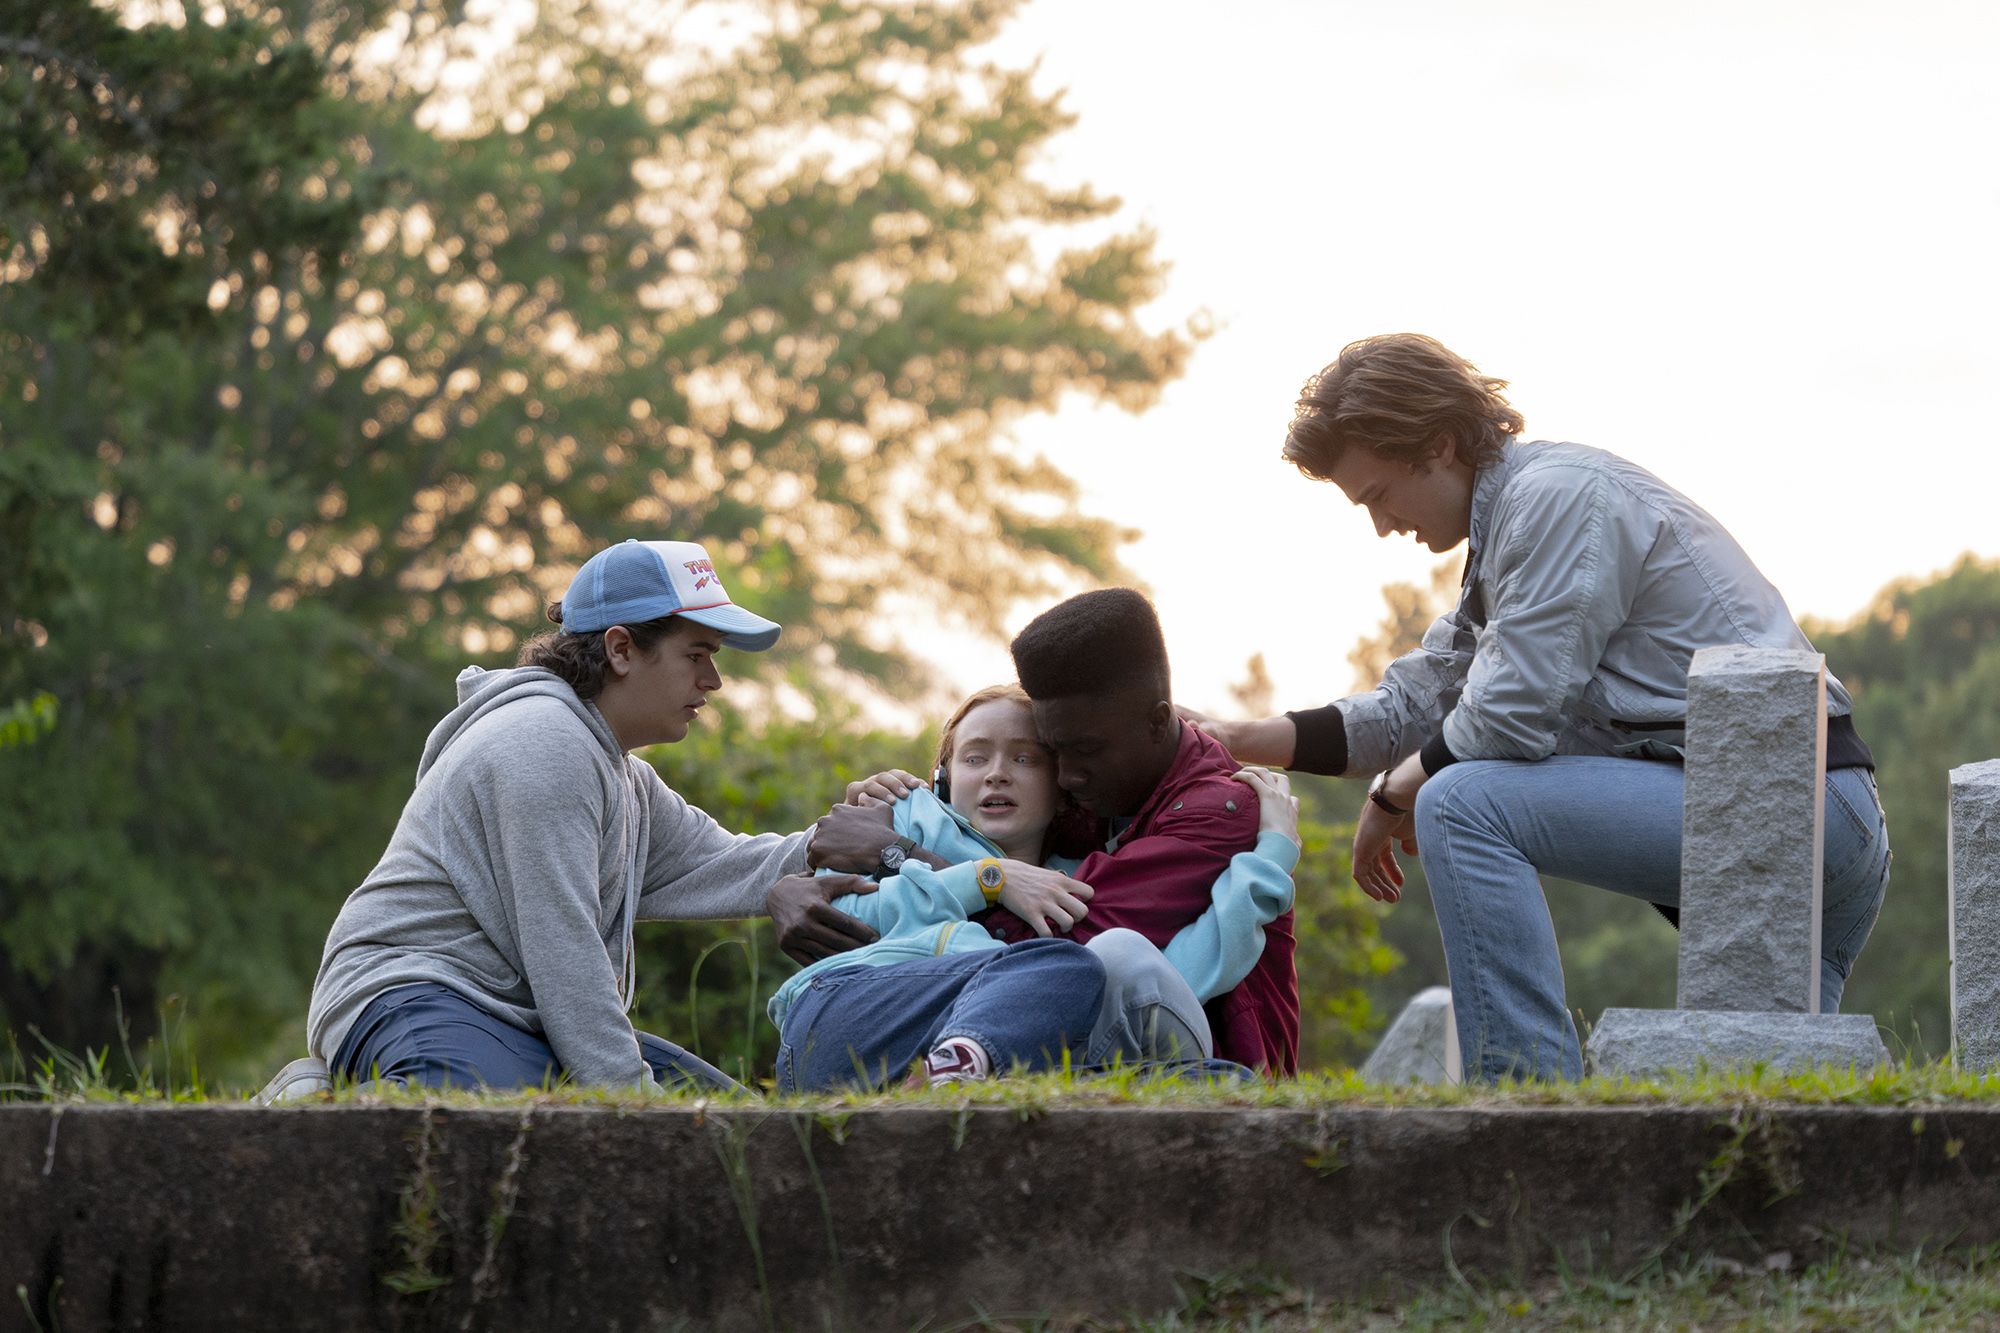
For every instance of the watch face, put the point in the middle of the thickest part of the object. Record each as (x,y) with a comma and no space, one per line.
(991,876)
(893,857)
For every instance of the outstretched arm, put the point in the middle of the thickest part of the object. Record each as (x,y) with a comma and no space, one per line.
(1264,740)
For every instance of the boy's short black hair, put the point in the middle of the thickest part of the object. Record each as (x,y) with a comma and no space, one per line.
(1094,643)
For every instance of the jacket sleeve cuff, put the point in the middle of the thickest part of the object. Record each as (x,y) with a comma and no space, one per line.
(962,882)
(1322,741)
(1436,755)
(1278,849)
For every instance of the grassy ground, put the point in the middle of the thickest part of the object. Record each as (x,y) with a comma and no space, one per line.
(1852,1292)
(51,1074)
(1886,1291)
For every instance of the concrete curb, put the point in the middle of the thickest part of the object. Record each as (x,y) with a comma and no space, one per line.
(223,1217)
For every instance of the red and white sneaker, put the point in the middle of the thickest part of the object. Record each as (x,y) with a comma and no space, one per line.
(956,1060)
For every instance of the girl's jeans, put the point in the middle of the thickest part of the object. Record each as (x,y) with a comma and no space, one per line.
(1487,831)
(1027,1005)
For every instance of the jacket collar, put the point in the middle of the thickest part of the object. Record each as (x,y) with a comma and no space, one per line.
(1486,488)
(1191,759)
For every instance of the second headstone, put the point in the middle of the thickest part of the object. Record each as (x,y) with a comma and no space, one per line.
(1750,837)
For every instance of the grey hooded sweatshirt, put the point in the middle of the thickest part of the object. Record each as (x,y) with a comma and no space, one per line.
(530,845)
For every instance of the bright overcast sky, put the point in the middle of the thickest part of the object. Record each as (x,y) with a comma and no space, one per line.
(1748,245)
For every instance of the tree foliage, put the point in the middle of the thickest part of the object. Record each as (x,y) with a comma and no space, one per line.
(1923,663)
(201,778)
(332,335)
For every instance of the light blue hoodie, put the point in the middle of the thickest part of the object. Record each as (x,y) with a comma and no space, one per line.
(922,912)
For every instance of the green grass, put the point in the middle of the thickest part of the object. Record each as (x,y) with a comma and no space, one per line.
(1915,1291)
(162,1070)
(39,1072)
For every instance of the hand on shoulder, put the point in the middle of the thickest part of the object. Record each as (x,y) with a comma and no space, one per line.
(1277,808)
(884,788)
(1266,740)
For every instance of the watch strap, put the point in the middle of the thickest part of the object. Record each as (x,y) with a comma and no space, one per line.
(992,878)
(894,855)
(1380,797)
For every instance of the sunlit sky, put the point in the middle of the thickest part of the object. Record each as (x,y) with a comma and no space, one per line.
(1748,245)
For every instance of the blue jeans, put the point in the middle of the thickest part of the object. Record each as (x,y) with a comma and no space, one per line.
(1026,1004)
(1488,829)
(1149,1014)
(432,1036)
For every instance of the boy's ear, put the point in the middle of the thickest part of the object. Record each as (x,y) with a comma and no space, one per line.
(618,649)
(1159,720)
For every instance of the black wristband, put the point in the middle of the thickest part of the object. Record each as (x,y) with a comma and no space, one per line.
(1436,755)
(1321,746)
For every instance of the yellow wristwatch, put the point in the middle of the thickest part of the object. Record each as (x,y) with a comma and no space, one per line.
(992,878)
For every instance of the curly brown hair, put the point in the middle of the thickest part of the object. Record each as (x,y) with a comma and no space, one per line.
(579,658)
(1397,395)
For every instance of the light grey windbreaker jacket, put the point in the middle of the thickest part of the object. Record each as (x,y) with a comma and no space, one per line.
(1589,585)
(530,845)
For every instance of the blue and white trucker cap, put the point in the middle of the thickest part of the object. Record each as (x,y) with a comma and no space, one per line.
(637,581)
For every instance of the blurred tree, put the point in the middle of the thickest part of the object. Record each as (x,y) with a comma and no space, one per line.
(1923,662)
(772,276)
(335,334)
(198,777)
(1255,695)
(25,721)
(1411,611)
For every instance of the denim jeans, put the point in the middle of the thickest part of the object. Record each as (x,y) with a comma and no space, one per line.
(1026,1004)
(432,1036)
(1488,829)
(1149,1013)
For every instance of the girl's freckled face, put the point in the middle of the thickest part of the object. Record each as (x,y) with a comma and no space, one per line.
(1001,777)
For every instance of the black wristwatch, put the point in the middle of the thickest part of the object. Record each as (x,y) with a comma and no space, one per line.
(894,855)
(1381,799)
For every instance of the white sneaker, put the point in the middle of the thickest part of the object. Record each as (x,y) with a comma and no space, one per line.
(299,1079)
(956,1060)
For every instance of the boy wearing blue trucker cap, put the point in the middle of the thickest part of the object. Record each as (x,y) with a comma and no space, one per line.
(492,945)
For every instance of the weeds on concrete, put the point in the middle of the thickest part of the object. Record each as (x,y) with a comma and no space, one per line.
(1757,1148)
(51,1306)
(420,1231)
(506,1194)
(732,1140)
(803,1127)
(1889,1291)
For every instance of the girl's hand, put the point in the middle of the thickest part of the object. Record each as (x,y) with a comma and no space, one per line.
(1044,898)
(1277,808)
(883,788)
